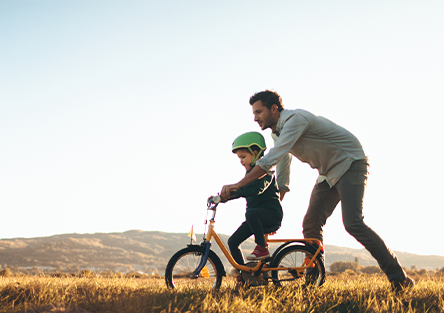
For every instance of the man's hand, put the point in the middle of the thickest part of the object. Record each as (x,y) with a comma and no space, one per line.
(227,190)
(282,194)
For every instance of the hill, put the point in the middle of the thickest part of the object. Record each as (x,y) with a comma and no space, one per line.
(147,251)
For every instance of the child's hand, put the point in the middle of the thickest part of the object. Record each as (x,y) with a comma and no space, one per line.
(215,199)
(209,198)
(228,191)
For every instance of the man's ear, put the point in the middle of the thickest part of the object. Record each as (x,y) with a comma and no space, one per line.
(274,107)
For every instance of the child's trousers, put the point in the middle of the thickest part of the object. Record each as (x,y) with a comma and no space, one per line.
(256,220)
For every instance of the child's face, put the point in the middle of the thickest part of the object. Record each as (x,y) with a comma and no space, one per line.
(245,157)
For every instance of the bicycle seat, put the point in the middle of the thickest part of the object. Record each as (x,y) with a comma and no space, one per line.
(271,230)
(271,234)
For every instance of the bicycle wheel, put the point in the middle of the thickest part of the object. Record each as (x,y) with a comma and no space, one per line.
(294,256)
(178,273)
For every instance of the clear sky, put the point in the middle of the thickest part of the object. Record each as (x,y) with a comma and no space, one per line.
(119,115)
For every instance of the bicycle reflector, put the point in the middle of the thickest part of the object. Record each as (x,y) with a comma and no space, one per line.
(205,272)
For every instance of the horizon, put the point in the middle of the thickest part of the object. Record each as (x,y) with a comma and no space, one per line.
(220,234)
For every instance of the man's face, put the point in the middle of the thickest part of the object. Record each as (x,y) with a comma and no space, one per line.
(263,116)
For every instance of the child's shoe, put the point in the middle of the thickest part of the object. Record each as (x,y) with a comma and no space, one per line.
(259,253)
(240,284)
(239,281)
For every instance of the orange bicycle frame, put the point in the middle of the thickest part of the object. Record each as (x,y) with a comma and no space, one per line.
(308,263)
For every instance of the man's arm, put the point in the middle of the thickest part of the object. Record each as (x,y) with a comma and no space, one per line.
(256,173)
(283,172)
(294,127)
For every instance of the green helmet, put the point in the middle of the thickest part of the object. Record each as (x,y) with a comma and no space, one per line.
(249,140)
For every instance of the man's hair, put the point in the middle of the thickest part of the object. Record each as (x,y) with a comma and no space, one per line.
(268,98)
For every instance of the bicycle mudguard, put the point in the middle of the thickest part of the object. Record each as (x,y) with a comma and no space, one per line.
(203,260)
(314,247)
(298,242)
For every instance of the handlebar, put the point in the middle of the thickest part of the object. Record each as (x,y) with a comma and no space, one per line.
(217,199)
(213,202)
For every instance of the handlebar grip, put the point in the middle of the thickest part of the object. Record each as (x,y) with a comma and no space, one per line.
(216,199)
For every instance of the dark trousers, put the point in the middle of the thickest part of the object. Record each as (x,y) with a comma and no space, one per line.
(256,220)
(350,191)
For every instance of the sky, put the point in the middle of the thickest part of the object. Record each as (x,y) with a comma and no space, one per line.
(119,115)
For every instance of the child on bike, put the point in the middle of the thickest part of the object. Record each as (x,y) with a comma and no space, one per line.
(264,211)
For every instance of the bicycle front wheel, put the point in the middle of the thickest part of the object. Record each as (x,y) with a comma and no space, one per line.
(296,256)
(178,273)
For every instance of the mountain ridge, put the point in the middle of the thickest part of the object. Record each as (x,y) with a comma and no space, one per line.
(150,251)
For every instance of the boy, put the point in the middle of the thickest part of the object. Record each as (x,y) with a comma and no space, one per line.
(264,211)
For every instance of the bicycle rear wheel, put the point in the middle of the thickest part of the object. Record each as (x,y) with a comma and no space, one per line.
(295,256)
(178,273)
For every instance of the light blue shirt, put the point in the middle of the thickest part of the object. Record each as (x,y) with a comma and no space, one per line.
(315,140)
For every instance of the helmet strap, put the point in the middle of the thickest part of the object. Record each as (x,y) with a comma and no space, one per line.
(255,156)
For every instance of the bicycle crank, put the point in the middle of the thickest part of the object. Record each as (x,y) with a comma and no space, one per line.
(251,280)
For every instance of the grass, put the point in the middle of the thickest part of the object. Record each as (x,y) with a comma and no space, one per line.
(359,293)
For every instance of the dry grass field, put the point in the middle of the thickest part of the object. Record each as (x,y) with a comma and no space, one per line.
(341,293)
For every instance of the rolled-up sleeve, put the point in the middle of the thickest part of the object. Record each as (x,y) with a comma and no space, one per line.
(283,170)
(283,173)
(291,129)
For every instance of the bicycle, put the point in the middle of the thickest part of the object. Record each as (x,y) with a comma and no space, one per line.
(297,261)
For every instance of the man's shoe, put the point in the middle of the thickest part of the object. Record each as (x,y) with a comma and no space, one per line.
(408,282)
(259,253)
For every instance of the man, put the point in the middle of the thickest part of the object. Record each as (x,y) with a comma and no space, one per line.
(343,170)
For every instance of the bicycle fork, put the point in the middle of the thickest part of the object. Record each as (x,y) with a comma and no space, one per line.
(203,260)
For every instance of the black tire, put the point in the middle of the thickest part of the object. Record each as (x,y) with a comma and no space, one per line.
(294,256)
(184,262)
